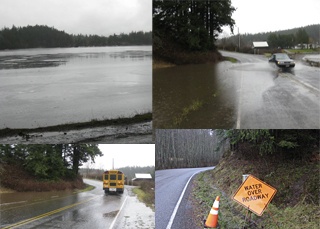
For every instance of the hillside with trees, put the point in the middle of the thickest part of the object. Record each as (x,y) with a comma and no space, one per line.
(283,38)
(185,31)
(41,36)
(288,160)
(44,167)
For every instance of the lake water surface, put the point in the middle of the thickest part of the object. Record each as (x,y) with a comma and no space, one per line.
(44,87)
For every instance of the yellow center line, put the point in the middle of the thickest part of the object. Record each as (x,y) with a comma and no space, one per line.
(37,202)
(46,214)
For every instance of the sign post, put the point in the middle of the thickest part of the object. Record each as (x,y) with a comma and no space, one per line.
(254,195)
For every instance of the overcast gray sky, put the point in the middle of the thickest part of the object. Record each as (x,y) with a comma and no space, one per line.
(254,16)
(101,17)
(125,155)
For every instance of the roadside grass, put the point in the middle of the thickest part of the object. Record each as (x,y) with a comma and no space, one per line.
(86,189)
(268,55)
(231,59)
(194,106)
(143,117)
(161,64)
(16,178)
(295,205)
(146,193)
(300,51)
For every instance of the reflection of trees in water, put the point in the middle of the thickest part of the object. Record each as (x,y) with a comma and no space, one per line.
(38,61)
(132,54)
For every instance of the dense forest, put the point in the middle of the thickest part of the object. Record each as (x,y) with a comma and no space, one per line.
(188,26)
(23,167)
(187,148)
(200,148)
(282,143)
(41,36)
(283,38)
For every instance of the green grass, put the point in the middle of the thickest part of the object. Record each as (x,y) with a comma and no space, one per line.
(303,51)
(295,205)
(231,59)
(268,55)
(194,106)
(86,189)
(232,215)
(145,192)
(144,117)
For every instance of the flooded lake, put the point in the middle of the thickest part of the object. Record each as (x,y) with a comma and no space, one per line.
(44,87)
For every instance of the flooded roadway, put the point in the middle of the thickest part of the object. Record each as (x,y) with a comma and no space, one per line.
(91,209)
(250,94)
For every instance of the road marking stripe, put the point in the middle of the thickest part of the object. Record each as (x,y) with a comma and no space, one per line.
(36,202)
(13,203)
(23,222)
(115,219)
(179,201)
(240,103)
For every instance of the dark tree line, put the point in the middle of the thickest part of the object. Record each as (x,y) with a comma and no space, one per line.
(198,148)
(50,162)
(191,24)
(48,37)
(288,40)
(187,148)
(283,143)
(129,172)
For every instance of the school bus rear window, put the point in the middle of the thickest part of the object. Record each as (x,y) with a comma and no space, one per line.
(106,177)
(113,177)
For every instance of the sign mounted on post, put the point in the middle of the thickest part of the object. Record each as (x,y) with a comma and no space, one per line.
(254,194)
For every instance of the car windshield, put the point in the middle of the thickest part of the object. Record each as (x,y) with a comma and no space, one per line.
(282,56)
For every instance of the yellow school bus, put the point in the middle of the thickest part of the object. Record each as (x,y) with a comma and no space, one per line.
(113,181)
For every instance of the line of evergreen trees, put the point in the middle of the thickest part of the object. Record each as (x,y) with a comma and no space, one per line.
(283,38)
(191,24)
(282,143)
(48,37)
(49,162)
(129,172)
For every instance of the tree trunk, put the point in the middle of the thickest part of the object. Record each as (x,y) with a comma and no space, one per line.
(76,158)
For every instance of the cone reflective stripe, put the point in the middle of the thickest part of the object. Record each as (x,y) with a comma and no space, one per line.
(212,220)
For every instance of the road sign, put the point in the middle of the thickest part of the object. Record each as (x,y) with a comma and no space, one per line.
(254,194)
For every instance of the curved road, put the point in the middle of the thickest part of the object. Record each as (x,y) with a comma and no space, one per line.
(273,99)
(171,191)
(91,209)
(250,94)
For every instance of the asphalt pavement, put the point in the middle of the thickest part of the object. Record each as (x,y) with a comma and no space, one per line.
(268,97)
(172,196)
(92,209)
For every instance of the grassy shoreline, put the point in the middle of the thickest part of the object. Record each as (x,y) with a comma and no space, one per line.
(77,126)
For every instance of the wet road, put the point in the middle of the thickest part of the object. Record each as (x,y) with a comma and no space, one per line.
(91,209)
(171,197)
(249,94)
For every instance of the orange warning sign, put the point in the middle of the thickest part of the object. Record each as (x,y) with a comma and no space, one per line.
(254,194)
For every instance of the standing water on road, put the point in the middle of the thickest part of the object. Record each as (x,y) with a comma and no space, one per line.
(51,86)
(193,96)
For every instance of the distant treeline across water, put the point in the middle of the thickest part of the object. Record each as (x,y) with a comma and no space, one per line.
(48,37)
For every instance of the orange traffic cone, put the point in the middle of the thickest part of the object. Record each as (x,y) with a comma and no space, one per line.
(212,220)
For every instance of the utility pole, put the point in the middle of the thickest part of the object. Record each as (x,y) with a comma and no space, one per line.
(239,38)
(112,163)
